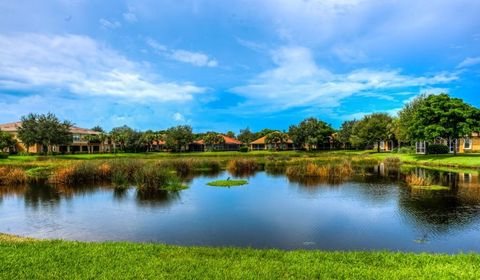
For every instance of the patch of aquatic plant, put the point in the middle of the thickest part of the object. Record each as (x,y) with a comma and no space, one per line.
(151,177)
(431,188)
(413,179)
(12,176)
(40,172)
(242,166)
(392,161)
(227,183)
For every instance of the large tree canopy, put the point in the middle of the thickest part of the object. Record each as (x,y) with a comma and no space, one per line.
(178,137)
(311,133)
(46,130)
(373,129)
(346,132)
(441,116)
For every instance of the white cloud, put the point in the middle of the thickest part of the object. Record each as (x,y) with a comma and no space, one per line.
(106,24)
(80,65)
(194,58)
(178,117)
(130,17)
(298,81)
(469,61)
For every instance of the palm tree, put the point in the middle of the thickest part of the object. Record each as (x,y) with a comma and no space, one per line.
(213,139)
(276,138)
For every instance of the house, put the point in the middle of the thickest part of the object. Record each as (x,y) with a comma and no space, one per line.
(469,144)
(79,143)
(260,144)
(229,144)
(385,146)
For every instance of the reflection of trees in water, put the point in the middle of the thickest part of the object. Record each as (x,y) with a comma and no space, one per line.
(188,177)
(438,212)
(156,198)
(246,173)
(41,195)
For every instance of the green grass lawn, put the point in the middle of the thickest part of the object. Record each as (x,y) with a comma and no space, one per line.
(30,259)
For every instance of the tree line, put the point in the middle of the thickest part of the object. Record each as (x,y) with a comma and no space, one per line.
(425,118)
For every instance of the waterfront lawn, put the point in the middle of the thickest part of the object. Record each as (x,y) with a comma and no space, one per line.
(30,259)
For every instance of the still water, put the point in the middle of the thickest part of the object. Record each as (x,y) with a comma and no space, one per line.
(371,212)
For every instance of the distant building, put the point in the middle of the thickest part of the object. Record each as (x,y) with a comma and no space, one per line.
(260,144)
(462,145)
(78,145)
(229,144)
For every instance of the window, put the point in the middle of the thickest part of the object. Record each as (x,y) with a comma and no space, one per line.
(76,137)
(421,147)
(467,143)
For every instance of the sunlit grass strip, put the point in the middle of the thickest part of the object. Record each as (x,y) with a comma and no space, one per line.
(227,183)
(431,188)
(29,259)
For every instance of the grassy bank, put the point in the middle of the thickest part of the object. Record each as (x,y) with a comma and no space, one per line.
(45,163)
(30,259)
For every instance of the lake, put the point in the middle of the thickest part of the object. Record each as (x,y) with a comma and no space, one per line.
(375,211)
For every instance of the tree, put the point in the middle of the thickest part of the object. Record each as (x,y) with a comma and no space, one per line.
(406,119)
(441,116)
(246,136)
(345,133)
(178,137)
(121,136)
(45,130)
(311,133)
(98,128)
(230,134)
(148,138)
(372,129)
(6,141)
(213,139)
(276,138)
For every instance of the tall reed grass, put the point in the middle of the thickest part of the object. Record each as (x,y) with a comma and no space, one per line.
(242,166)
(413,179)
(336,170)
(12,176)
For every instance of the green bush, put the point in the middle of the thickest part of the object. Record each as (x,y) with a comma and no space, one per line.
(3,155)
(406,150)
(437,149)
(243,149)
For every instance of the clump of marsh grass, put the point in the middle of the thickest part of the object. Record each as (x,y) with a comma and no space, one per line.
(150,177)
(12,176)
(392,161)
(242,166)
(416,180)
(337,170)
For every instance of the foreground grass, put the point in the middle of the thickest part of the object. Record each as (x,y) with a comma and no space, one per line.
(30,259)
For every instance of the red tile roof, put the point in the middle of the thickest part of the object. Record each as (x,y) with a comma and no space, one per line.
(228,140)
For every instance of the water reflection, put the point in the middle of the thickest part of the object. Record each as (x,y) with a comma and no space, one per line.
(156,198)
(372,209)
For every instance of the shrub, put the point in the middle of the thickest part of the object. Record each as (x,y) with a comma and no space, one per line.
(243,149)
(406,150)
(3,155)
(437,149)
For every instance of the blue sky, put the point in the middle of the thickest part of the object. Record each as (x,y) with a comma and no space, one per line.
(226,65)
